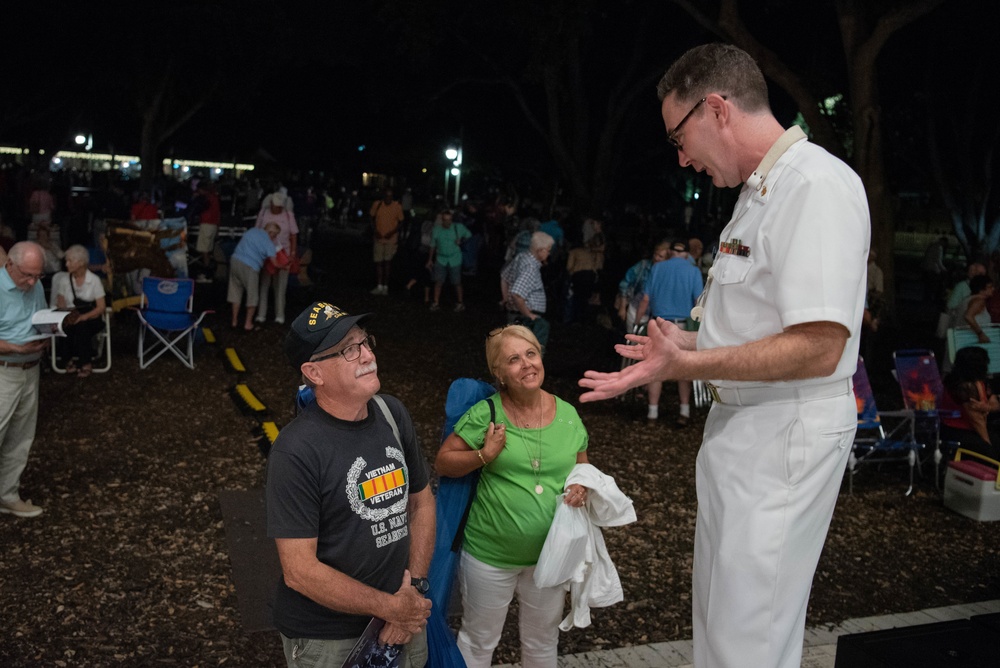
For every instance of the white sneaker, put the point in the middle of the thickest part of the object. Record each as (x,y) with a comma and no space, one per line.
(202,278)
(280,320)
(20,508)
(377,290)
(259,320)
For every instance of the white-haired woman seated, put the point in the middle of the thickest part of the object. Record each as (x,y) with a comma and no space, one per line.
(80,289)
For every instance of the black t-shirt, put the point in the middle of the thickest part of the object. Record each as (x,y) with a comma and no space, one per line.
(347,484)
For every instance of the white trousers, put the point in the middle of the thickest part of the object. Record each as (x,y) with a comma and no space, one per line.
(280,281)
(768,478)
(18,416)
(486,594)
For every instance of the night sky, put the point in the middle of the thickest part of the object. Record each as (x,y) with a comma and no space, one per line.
(308,82)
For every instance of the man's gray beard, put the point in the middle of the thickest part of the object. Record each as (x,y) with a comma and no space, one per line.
(368,368)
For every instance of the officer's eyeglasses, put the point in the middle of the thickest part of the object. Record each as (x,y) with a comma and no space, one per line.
(351,352)
(672,135)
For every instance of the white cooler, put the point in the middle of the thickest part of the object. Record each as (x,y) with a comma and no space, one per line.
(972,488)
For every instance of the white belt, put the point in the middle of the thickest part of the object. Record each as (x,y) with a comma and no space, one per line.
(757,396)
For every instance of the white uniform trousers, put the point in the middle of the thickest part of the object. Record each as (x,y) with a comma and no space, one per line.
(486,594)
(768,478)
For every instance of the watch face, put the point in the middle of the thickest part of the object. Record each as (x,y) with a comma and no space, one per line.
(422,585)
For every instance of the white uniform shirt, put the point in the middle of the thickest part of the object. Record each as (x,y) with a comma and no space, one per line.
(795,251)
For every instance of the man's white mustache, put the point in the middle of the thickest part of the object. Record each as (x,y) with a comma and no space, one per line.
(368,368)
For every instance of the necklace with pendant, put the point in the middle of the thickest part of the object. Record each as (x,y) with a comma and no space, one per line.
(536,459)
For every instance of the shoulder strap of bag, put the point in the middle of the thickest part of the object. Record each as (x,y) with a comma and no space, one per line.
(388,418)
(456,544)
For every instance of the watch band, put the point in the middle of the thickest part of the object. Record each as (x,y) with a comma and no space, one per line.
(423,585)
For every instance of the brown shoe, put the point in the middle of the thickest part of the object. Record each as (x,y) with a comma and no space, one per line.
(681,422)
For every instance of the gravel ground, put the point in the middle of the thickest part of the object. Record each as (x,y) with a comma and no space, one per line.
(128,565)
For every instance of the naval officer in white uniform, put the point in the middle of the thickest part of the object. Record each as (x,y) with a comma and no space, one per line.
(781,320)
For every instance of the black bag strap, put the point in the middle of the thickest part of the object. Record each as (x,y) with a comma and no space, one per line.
(456,544)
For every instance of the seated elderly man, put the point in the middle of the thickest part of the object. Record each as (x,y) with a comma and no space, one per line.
(348,503)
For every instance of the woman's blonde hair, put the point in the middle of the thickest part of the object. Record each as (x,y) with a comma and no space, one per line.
(494,344)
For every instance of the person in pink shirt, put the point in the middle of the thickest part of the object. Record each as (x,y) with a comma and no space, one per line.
(288,235)
(41,205)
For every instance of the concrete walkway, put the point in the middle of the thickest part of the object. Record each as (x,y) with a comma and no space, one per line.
(819,650)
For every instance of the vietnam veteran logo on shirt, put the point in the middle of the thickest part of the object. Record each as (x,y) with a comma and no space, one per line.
(368,489)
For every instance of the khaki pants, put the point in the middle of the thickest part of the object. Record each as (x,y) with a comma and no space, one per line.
(318,653)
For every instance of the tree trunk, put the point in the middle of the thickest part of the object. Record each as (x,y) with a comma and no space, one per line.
(869,162)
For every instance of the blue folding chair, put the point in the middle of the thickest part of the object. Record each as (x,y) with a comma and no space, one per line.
(873,444)
(167,319)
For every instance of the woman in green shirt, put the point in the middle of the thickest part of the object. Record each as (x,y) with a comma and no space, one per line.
(525,457)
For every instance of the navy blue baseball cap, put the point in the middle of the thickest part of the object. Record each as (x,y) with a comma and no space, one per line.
(320,327)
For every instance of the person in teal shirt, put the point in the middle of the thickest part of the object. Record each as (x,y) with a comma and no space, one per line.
(524,458)
(446,257)
(21,295)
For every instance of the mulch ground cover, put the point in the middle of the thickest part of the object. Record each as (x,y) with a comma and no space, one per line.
(129,565)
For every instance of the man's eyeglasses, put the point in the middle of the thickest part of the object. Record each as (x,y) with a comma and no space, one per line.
(351,352)
(36,277)
(672,135)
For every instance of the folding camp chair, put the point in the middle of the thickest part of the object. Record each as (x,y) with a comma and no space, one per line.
(920,380)
(701,394)
(166,314)
(873,444)
(102,345)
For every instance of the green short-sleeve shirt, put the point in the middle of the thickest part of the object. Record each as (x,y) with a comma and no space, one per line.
(508,521)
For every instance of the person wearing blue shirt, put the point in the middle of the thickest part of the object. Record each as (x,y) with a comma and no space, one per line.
(672,289)
(256,246)
(21,295)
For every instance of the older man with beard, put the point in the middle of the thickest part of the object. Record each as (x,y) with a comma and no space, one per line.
(348,502)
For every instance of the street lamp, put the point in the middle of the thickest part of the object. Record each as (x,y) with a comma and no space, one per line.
(450,153)
(455,155)
(87,142)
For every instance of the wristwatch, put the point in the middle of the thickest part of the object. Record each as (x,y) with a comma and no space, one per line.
(423,585)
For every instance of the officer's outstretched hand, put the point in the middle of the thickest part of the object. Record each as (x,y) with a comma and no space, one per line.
(407,615)
(655,353)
